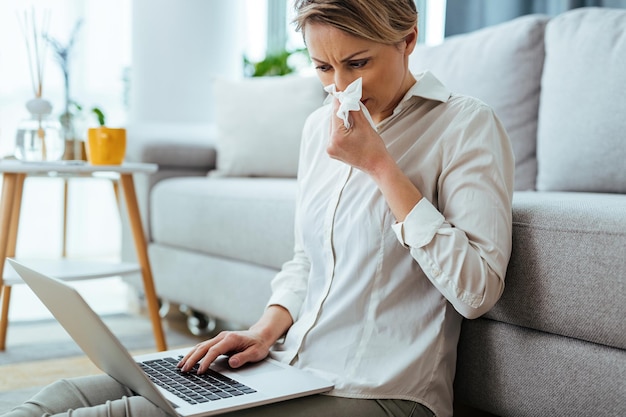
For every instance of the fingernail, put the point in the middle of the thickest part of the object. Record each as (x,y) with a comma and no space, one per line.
(234,362)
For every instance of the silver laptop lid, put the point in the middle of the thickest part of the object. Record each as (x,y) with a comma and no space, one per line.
(91,334)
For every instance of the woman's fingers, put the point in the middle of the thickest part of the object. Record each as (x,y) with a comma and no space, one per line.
(199,353)
(243,347)
(230,343)
(357,146)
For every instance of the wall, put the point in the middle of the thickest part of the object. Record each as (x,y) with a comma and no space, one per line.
(178,48)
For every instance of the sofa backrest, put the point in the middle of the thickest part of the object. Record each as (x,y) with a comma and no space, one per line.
(500,65)
(581,138)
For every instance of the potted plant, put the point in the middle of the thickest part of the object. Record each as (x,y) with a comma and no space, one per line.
(106,145)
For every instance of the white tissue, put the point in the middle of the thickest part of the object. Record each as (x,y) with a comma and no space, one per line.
(350,100)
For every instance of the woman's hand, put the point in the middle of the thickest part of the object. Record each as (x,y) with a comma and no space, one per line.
(362,147)
(359,146)
(251,345)
(241,346)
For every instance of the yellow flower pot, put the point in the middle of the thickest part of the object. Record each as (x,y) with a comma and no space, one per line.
(106,146)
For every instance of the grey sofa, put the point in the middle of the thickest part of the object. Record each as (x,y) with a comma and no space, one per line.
(555,342)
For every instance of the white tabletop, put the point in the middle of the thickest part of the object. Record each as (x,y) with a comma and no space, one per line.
(71,269)
(72,167)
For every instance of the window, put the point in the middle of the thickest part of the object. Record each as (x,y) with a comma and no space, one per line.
(432,17)
(256,29)
(98,63)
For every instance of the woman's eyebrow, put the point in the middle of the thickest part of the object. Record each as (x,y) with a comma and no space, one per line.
(346,59)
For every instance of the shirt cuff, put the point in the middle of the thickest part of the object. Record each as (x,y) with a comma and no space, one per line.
(287,300)
(420,225)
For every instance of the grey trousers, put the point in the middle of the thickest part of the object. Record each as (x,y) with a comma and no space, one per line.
(102,396)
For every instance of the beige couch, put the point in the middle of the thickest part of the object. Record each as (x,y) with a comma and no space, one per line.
(555,343)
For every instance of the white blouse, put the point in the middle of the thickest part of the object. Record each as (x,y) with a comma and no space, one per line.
(376,303)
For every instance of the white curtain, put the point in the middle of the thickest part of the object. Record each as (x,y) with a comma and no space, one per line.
(469,15)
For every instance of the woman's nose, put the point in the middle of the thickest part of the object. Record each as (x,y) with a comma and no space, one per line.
(342,80)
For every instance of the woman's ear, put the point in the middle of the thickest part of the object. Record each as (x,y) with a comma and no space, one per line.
(410,41)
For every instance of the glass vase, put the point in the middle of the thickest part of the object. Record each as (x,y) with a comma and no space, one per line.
(39,139)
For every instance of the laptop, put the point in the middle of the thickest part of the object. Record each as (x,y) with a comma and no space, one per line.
(222,390)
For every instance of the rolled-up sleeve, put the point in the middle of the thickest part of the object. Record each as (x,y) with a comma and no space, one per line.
(463,245)
(423,223)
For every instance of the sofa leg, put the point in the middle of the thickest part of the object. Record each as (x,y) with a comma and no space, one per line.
(164,308)
(199,324)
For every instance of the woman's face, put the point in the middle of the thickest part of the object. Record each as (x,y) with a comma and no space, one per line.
(341,58)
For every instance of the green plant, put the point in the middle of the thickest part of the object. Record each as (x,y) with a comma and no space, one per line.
(273,64)
(100,115)
(73,109)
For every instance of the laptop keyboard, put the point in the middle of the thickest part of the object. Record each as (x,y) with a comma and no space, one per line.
(193,388)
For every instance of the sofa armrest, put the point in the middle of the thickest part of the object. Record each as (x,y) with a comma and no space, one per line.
(186,149)
(176,156)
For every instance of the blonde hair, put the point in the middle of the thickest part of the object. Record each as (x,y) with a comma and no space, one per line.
(382,21)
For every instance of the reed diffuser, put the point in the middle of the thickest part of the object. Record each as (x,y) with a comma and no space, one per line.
(39,137)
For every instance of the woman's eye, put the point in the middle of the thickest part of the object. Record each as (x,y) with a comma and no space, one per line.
(358,64)
(323,68)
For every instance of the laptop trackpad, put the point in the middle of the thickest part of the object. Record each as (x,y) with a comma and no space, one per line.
(250,369)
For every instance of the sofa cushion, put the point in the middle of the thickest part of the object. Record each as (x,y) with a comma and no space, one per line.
(501,65)
(246,219)
(581,144)
(259,124)
(566,273)
(222,288)
(514,371)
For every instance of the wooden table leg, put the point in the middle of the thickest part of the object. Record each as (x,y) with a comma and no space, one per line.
(66,191)
(4,315)
(8,236)
(15,217)
(134,216)
(116,191)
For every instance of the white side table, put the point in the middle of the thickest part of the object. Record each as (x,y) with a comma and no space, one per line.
(14,174)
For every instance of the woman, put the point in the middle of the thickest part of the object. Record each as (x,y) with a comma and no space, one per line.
(401,230)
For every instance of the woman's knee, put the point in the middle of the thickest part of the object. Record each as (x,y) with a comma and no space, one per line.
(141,407)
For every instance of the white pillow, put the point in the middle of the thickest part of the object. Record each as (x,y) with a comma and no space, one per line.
(500,65)
(581,141)
(259,124)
